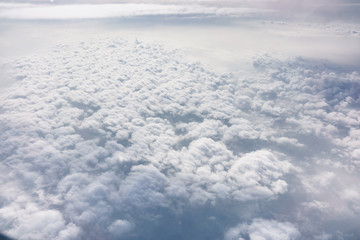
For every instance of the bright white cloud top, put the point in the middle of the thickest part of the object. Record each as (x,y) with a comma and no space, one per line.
(118,137)
(102,138)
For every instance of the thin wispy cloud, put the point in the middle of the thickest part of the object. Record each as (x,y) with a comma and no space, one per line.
(303,10)
(91,11)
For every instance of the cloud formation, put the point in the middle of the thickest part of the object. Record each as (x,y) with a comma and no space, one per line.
(117,138)
(93,9)
(263,229)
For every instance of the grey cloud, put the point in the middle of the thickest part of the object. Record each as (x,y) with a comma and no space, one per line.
(306,10)
(144,187)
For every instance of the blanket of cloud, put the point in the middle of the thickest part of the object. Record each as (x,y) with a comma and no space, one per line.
(116,138)
(89,11)
(324,10)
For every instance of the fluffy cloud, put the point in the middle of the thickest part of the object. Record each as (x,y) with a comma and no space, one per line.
(261,229)
(120,227)
(209,171)
(117,138)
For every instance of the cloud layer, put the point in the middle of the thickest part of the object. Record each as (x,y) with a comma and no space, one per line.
(117,138)
(304,10)
(94,11)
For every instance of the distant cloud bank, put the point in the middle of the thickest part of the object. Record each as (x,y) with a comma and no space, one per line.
(320,10)
(93,11)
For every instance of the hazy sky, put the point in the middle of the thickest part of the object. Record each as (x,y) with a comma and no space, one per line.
(304,10)
(307,28)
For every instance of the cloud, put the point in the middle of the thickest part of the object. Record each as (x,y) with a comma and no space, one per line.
(260,173)
(304,10)
(120,227)
(113,138)
(144,187)
(31,225)
(209,171)
(320,181)
(263,229)
(353,196)
(95,11)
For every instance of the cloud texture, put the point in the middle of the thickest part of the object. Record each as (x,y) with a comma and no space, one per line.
(121,139)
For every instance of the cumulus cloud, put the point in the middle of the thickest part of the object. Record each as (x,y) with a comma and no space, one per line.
(120,227)
(144,187)
(118,138)
(209,171)
(263,229)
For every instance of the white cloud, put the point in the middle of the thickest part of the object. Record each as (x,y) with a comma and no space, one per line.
(93,11)
(120,227)
(353,197)
(39,225)
(144,187)
(261,229)
(255,172)
(318,182)
(69,233)
(116,137)
(304,10)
